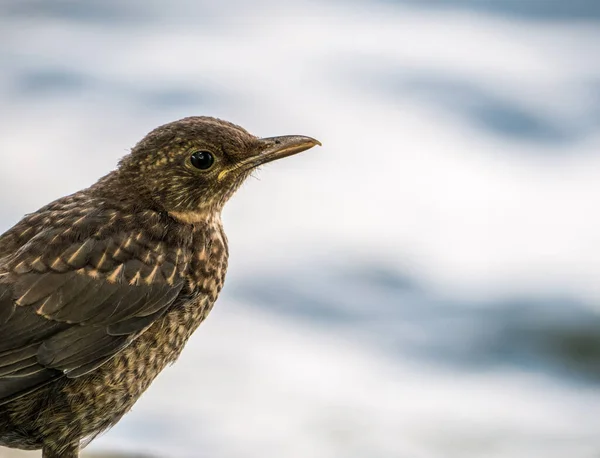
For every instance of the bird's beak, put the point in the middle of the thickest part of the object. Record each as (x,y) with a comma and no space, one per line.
(274,148)
(280,147)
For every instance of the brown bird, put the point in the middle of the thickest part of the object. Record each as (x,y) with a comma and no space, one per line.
(100,290)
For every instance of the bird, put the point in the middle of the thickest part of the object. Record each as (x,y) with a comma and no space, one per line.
(100,290)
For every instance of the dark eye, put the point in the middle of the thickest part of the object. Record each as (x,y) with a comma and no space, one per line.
(202,160)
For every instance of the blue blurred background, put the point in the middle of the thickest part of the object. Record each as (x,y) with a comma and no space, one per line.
(425,285)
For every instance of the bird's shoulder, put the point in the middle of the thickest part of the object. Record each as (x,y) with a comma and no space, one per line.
(84,215)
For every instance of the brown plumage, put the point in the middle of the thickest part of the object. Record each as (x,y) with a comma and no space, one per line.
(100,290)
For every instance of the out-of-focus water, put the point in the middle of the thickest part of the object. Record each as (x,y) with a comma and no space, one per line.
(424,285)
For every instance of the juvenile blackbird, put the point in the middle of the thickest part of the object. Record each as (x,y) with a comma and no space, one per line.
(100,290)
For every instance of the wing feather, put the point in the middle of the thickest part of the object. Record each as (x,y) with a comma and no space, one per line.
(68,311)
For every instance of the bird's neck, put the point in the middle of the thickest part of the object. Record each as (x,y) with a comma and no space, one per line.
(196,217)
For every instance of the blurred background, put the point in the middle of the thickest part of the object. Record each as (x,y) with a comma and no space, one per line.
(424,285)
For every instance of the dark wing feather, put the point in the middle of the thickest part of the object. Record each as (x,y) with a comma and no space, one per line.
(67,309)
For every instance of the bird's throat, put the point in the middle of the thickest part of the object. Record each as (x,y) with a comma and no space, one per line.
(194,217)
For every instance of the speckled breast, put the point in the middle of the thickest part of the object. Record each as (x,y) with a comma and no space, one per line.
(113,389)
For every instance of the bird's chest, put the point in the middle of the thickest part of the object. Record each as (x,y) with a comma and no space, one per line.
(113,389)
(204,279)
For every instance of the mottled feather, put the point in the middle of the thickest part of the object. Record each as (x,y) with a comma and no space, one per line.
(70,314)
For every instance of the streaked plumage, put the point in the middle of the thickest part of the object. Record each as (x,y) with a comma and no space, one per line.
(100,290)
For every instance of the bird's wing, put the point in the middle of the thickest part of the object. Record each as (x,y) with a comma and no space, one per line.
(70,307)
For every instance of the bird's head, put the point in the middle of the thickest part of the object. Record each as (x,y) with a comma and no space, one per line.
(191,167)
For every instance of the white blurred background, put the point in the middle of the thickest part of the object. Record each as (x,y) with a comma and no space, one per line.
(424,285)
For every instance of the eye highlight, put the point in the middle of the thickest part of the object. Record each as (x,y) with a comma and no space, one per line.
(202,160)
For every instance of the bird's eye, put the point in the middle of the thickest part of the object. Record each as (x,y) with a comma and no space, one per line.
(202,160)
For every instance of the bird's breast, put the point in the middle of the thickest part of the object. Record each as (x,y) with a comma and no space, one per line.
(128,374)
(204,281)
